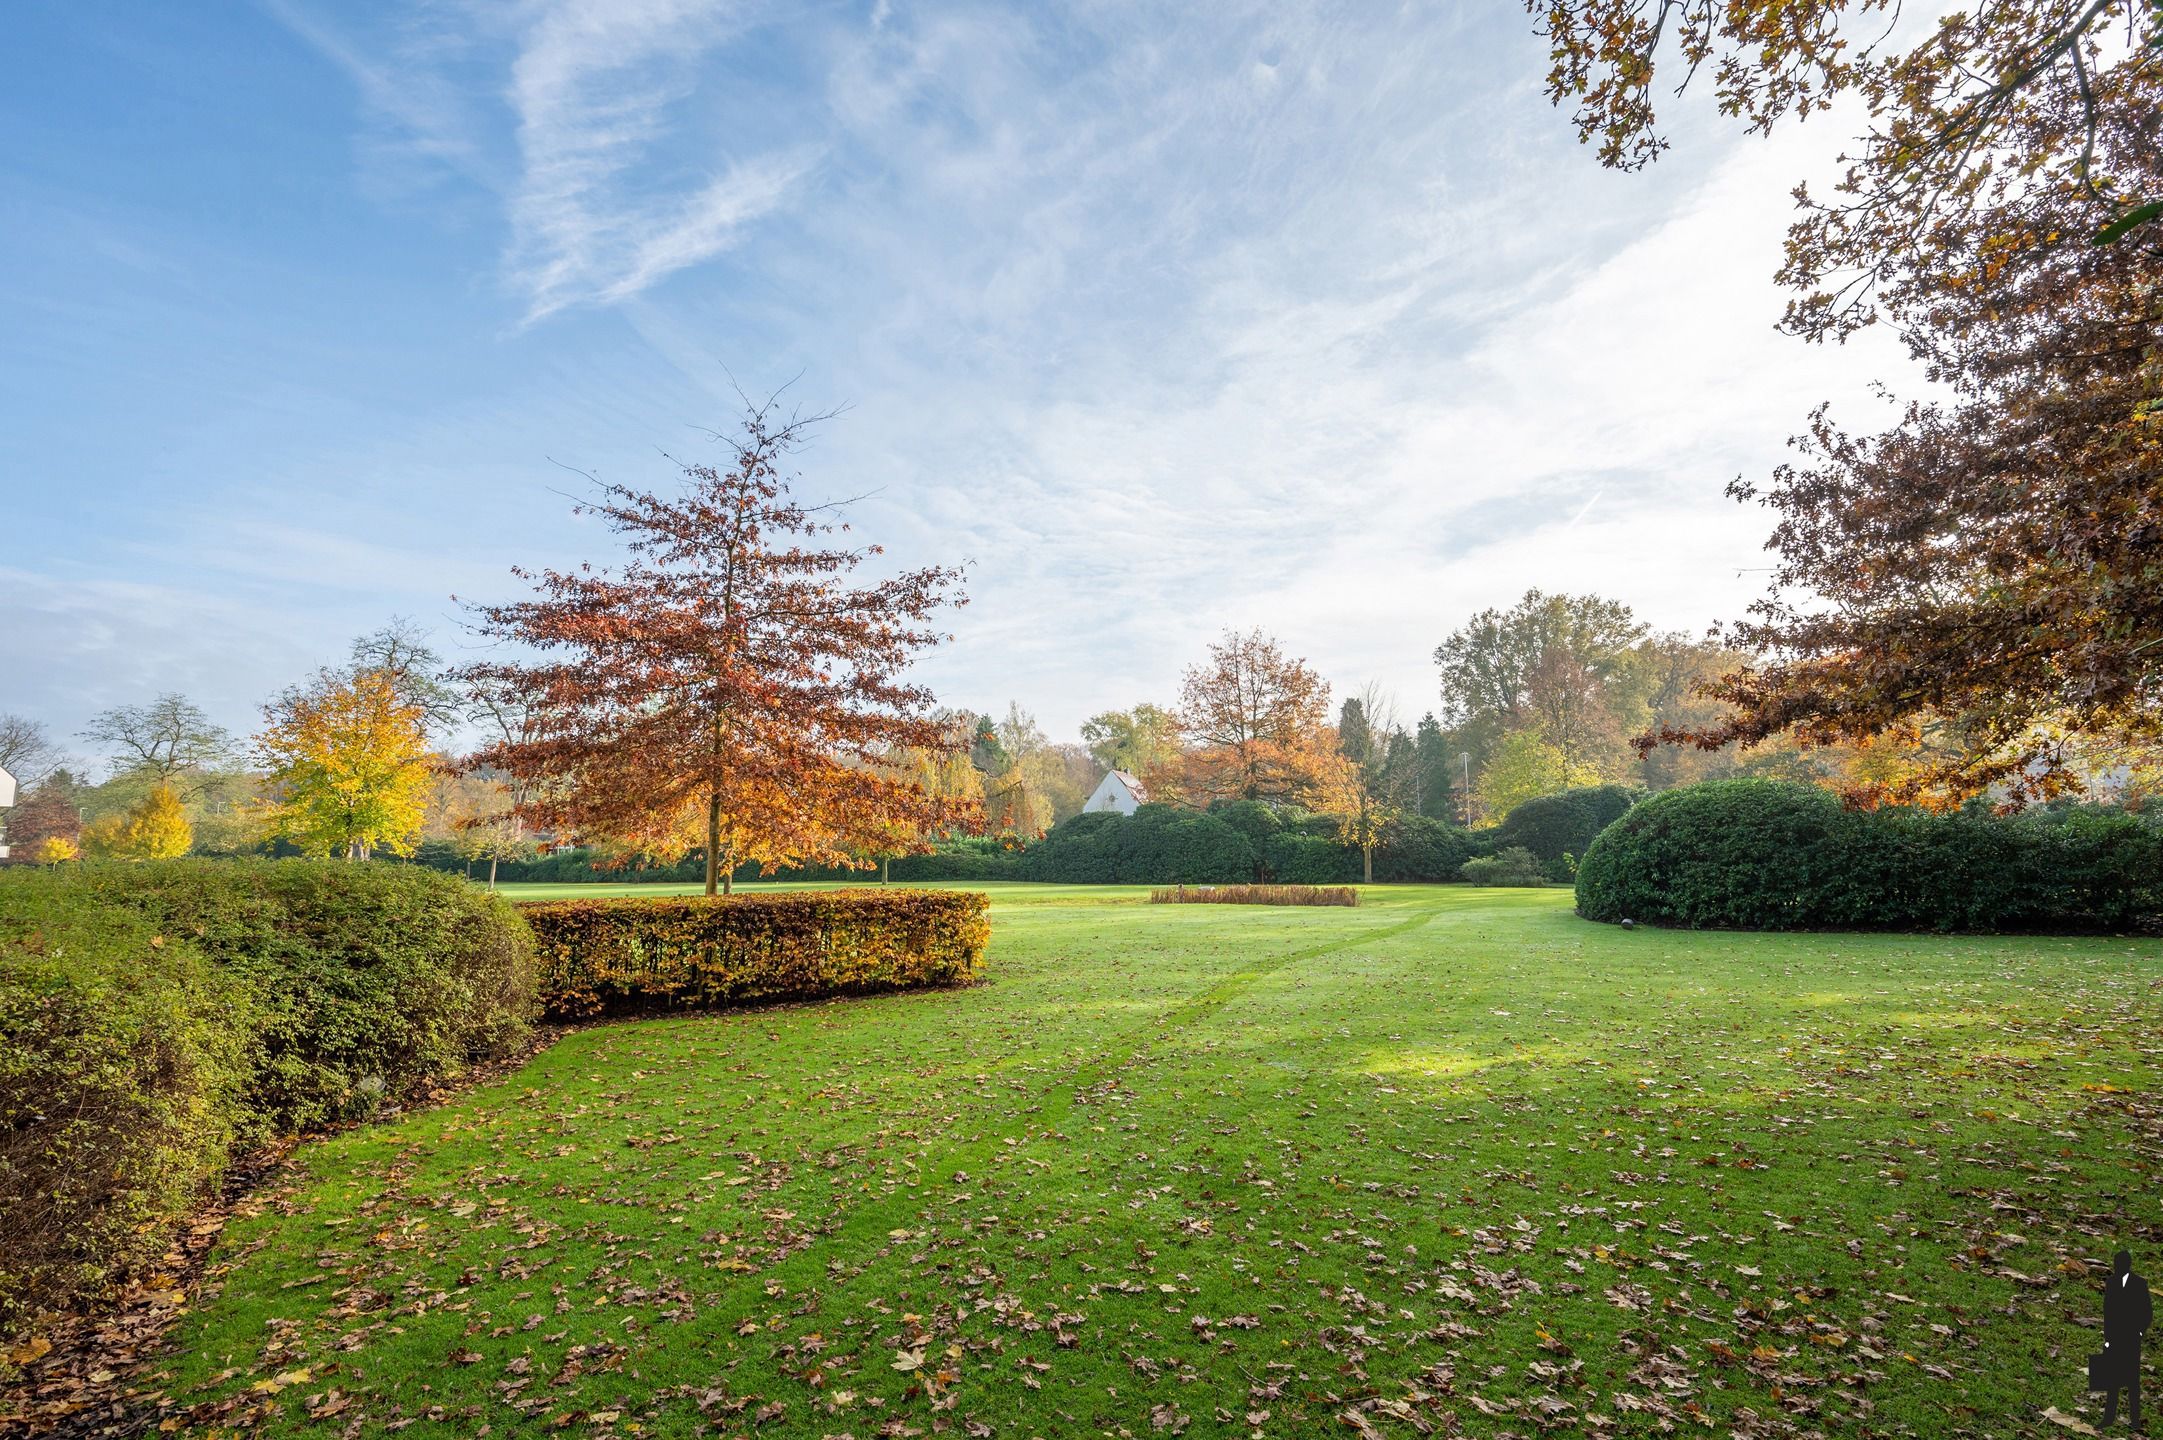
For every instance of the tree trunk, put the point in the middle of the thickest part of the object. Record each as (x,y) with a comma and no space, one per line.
(713,842)
(1366,854)
(491,872)
(728,873)
(882,869)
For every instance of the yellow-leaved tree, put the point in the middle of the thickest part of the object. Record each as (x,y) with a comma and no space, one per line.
(155,829)
(54,850)
(1525,767)
(348,762)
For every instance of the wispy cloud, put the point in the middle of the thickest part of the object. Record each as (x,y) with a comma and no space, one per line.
(422,116)
(603,207)
(610,183)
(1171,318)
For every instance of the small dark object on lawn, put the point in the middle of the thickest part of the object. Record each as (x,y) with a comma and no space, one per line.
(1629,924)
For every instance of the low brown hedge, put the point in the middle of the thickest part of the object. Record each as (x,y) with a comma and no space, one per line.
(1255,895)
(627,956)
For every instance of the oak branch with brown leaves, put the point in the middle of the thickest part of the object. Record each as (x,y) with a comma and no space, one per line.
(1256,726)
(730,686)
(1981,577)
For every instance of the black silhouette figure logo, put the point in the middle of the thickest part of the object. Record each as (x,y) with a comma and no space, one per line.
(2126,1313)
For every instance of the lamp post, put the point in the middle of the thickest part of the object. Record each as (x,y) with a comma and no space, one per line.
(1465,759)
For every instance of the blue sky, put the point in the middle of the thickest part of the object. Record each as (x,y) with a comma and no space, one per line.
(1168,318)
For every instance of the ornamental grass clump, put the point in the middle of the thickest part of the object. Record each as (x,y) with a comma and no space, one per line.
(1255,895)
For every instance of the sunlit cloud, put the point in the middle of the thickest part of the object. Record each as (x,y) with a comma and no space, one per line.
(1167,320)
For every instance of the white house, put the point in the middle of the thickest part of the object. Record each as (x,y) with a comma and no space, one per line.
(1118,791)
(7,801)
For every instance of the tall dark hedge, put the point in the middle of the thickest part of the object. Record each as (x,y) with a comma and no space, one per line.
(1766,855)
(1239,842)
(1555,826)
(1160,845)
(1156,845)
(961,858)
(1426,850)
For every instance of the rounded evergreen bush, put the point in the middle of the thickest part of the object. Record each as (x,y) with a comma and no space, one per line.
(1766,855)
(1554,826)
(122,1056)
(368,979)
(1513,866)
(154,1016)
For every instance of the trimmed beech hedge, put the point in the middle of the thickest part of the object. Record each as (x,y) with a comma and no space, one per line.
(1767,855)
(155,1017)
(627,956)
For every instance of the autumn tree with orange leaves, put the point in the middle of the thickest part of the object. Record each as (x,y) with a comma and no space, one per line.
(730,685)
(1973,590)
(1256,726)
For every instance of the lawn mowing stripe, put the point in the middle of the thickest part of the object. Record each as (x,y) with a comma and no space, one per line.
(1193,1011)
(1058,1101)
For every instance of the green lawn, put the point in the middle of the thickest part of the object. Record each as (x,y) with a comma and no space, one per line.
(1455,1159)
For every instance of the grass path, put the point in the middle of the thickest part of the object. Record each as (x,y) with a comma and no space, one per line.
(1454,1160)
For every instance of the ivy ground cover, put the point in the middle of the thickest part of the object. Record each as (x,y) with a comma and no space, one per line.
(1453,1162)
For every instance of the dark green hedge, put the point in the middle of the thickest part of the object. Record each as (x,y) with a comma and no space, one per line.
(1425,849)
(370,979)
(153,1016)
(1561,828)
(1291,858)
(963,858)
(123,1059)
(1233,842)
(1156,845)
(1766,855)
(622,956)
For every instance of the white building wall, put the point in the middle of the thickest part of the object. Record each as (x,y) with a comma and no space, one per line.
(1112,793)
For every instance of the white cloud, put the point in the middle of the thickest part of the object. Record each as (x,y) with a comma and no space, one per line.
(598,214)
(1172,320)
(422,118)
